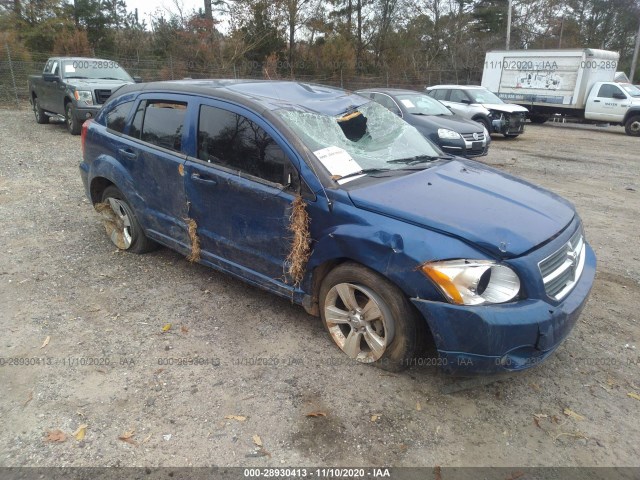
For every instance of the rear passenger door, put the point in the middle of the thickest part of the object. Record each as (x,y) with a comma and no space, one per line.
(151,149)
(241,184)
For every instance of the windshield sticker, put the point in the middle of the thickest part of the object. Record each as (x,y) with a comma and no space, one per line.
(69,68)
(408,103)
(337,161)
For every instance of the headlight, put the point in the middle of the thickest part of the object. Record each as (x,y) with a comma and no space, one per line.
(84,96)
(446,133)
(473,282)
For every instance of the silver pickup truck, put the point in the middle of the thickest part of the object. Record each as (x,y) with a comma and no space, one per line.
(74,89)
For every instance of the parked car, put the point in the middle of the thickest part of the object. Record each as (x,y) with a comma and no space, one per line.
(388,236)
(452,133)
(74,89)
(482,106)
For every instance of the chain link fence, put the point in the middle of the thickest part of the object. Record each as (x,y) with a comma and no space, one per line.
(14,75)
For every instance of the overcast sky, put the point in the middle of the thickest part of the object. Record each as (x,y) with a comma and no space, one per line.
(146,8)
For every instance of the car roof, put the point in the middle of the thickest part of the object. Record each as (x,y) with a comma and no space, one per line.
(390,91)
(266,94)
(460,87)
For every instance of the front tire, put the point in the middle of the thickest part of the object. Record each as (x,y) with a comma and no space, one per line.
(73,125)
(41,117)
(121,224)
(632,126)
(484,122)
(368,317)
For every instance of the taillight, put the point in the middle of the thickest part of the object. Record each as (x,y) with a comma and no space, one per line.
(83,133)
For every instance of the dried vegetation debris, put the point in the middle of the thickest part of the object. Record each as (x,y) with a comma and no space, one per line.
(112,223)
(301,242)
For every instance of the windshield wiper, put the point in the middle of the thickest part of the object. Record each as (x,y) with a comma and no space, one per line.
(111,78)
(364,171)
(419,113)
(73,76)
(420,159)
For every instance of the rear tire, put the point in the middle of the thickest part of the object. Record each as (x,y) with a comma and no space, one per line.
(73,125)
(511,135)
(368,317)
(38,112)
(121,223)
(632,126)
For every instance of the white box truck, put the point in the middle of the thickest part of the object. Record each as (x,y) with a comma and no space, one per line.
(574,83)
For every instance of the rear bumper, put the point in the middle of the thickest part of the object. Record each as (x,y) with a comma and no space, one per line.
(508,337)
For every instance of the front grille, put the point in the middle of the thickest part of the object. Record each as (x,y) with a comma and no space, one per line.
(469,137)
(102,96)
(561,270)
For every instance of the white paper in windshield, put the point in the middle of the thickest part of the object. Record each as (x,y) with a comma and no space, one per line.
(407,103)
(69,68)
(337,161)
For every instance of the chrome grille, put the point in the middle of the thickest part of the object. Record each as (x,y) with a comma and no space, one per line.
(102,96)
(469,137)
(561,270)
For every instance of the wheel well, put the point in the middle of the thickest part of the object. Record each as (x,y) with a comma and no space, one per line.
(98,185)
(426,340)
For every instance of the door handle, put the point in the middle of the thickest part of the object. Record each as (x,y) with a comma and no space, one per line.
(596,101)
(196,177)
(128,153)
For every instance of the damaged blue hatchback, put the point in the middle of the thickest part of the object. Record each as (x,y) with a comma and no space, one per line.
(327,198)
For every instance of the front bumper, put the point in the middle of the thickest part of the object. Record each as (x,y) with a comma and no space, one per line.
(465,148)
(507,337)
(85,113)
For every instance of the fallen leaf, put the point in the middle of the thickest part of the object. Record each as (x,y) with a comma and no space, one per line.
(166,327)
(574,435)
(257,440)
(535,386)
(633,395)
(418,406)
(55,436)
(80,432)
(570,413)
(128,437)
(239,418)
(46,342)
(516,475)
(537,422)
(184,329)
(316,414)
(158,371)
(540,415)
(375,418)
(147,438)
(26,402)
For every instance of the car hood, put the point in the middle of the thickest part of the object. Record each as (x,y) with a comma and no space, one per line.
(452,122)
(499,213)
(504,107)
(96,83)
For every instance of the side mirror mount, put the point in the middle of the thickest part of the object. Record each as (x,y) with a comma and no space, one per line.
(50,77)
(137,79)
(466,102)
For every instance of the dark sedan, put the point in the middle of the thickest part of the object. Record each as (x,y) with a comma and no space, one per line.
(451,132)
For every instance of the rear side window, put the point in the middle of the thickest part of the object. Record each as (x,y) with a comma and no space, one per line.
(162,124)
(388,102)
(233,141)
(439,94)
(117,118)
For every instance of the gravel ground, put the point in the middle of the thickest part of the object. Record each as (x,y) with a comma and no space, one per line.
(102,315)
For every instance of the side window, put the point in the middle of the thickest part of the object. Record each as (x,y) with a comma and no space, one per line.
(439,94)
(162,124)
(117,117)
(387,101)
(233,141)
(47,67)
(54,68)
(607,91)
(458,96)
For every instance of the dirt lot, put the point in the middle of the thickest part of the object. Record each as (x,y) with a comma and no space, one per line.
(102,314)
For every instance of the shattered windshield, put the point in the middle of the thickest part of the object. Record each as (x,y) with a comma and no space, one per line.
(370,137)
